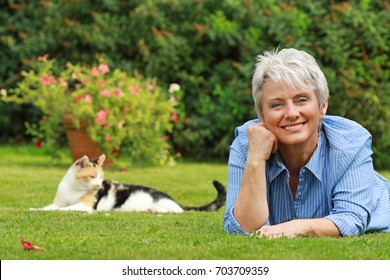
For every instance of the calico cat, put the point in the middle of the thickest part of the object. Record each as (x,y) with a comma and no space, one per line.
(83,188)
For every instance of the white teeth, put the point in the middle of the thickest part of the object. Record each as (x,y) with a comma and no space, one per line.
(293,126)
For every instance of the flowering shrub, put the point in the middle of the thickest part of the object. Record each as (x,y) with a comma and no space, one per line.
(119,112)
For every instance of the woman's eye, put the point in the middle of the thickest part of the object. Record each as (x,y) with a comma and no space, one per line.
(301,99)
(276,105)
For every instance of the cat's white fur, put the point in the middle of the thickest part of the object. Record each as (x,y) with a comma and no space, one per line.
(74,194)
(140,202)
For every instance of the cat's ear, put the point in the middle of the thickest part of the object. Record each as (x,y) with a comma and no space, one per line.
(84,161)
(101,160)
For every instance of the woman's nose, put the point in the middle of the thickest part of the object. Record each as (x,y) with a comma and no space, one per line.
(292,112)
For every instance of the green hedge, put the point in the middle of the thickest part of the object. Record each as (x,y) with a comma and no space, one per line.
(209,48)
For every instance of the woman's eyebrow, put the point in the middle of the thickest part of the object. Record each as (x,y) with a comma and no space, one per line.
(277,98)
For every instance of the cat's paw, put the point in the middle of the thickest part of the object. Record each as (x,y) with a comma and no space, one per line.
(153,210)
(77,207)
(46,208)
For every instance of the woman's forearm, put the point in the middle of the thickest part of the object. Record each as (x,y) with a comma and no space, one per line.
(251,207)
(301,227)
(318,227)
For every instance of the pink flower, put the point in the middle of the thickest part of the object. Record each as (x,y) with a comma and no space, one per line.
(175,117)
(108,137)
(101,116)
(105,92)
(77,98)
(48,80)
(63,82)
(104,68)
(149,87)
(101,83)
(95,72)
(117,92)
(135,90)
(88,99)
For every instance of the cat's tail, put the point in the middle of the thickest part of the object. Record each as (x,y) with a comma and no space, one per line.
(214,205)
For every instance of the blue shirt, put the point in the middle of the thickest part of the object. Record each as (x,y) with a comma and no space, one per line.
(338,183)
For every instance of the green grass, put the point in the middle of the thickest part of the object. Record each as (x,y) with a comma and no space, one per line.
(28,179)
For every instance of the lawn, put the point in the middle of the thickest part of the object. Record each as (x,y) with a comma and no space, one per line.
(29,179)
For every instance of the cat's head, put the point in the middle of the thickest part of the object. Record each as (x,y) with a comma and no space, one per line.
(89,173)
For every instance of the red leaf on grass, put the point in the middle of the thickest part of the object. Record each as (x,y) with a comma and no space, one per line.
(28,245)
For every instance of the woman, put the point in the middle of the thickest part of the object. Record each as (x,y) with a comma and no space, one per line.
(298,172)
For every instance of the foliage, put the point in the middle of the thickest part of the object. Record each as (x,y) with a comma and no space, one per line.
(119,112)
(209,48)
(144,236)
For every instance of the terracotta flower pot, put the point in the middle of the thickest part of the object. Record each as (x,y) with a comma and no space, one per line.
(80,143)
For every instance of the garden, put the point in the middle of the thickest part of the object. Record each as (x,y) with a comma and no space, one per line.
(29,181)
(159,87)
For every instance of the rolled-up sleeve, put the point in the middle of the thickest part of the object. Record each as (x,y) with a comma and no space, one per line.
(236,166)
(352,196)
(235,173)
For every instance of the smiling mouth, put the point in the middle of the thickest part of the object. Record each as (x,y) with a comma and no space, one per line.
(293,126)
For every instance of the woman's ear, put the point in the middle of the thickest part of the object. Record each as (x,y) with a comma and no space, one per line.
(260,116)
(324,108)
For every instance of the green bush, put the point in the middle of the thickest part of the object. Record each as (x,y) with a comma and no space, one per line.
(118,111)
(209,48)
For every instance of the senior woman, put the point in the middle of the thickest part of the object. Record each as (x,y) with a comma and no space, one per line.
(295,171)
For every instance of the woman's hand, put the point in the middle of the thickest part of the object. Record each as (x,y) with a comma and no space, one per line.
(262,142)
(251,206)
(300,227)
(277,231)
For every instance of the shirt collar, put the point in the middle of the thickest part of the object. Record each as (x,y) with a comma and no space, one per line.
(275,166)
(315,164)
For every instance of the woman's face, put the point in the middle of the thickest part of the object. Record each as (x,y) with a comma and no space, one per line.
(293,115)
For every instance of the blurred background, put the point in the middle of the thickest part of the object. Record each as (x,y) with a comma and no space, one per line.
(209,48)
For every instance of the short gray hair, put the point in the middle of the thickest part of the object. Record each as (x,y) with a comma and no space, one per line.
(295,68)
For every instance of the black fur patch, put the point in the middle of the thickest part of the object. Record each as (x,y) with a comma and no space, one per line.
(124,191)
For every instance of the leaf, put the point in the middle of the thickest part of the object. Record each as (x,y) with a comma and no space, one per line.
(28,245)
